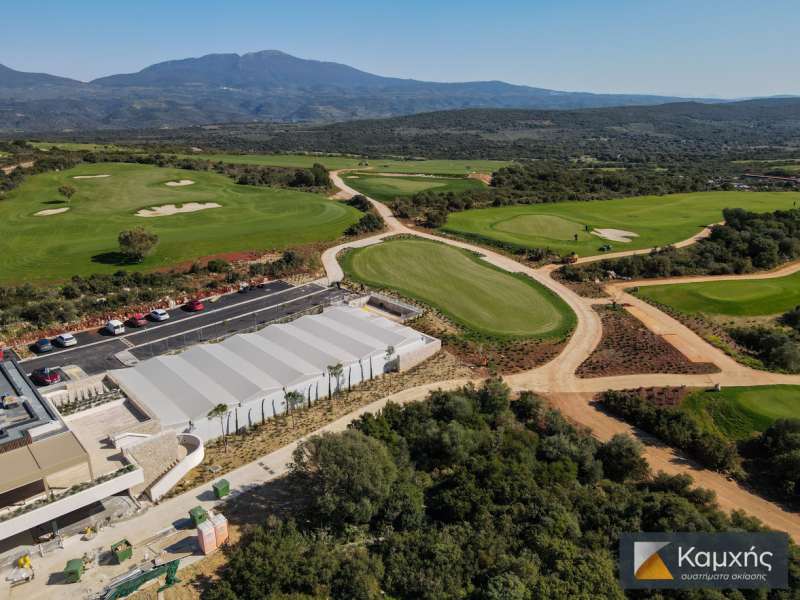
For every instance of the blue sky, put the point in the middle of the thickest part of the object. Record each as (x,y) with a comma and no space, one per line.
(706,47)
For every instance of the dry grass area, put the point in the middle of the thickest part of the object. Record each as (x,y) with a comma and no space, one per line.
(629,348)
(252,443)
(584,289)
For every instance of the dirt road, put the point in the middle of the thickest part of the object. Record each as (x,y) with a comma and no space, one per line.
(8,170)
(574,396)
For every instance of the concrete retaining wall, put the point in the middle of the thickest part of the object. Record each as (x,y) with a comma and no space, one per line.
(194,457)
(413,357)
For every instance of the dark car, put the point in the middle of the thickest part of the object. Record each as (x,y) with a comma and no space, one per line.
(262,285)
(42,345)
(137,321)
(194,305)
(251,287)
(244,289)
(45,376)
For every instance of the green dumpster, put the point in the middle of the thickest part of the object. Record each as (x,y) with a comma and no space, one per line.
(74,570)
(197,515)
(122,551)
(221,488)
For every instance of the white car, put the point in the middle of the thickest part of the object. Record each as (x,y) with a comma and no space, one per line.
(159,314)
(115,327)
(66,339)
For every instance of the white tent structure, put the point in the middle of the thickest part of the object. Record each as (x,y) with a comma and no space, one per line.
(251,373)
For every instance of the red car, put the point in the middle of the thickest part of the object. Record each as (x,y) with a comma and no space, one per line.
(45,376)
(137,321)
(195,305)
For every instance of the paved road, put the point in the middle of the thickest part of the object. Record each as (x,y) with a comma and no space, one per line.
(96,349)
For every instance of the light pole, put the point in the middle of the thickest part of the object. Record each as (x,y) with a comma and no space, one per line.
(105,316)
(149,345)
(216,336)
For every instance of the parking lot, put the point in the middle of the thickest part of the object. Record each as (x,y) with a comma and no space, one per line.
(96,350)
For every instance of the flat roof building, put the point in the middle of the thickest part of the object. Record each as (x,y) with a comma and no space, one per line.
(248,371)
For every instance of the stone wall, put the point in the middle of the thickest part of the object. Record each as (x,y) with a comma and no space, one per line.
(408,359)
(155,455)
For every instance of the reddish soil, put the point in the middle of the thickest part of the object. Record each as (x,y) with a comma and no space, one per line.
(666,396)
(484,177)
(629,348)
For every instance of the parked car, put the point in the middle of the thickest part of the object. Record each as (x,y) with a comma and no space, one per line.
(263,284)
(137,321)
(252,287)
(45,376)
(195,305)
(244,289)
(66,339)
(115,327)
(43,345)
(159,314)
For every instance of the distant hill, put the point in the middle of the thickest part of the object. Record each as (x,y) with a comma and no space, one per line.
(260,86)
(629,134)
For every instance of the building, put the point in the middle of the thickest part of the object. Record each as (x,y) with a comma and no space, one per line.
(41,460)
(251,373)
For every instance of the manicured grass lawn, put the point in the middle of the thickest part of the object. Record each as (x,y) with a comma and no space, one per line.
(333,163)
(659,220)
(83,240)
(739,412)
(386,189)
(467,289)
(753,298)
(73,147)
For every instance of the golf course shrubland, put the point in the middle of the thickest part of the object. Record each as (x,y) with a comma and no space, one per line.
(657,220)
(740,412)
(83,239)
(334,163)
(386,189)
(467,289)
(743,298)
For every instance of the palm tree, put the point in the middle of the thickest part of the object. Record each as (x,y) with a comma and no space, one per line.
(335,371)
(292,400)
(221,413)
(389,354)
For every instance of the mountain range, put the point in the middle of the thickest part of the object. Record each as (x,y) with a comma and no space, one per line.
(261,86)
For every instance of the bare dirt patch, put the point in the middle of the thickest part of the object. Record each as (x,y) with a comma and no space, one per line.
(51,211)
(171,209)
(90,176)
(484,177)
(180,183)
(615,235)
(629,348)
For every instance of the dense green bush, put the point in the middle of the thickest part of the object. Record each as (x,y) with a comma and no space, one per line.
(469,495)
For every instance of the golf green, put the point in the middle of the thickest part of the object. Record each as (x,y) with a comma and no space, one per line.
(469,290)
(659,220)
(740,412)
(333,163)
(745,298)
(83,239)
(386,189)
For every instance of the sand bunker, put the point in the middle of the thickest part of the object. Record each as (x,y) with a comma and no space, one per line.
(179,183)
(615,235)
(89,176)
(352,176)
(171,209)
(51,211)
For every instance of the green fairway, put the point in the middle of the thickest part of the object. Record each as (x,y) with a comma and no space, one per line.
(740,412)
(74,147)
(659,220)
(745,298)
(467,289)
(386,189)
(335,163)
(83,240)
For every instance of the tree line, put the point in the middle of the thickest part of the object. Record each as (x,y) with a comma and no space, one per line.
(469,494)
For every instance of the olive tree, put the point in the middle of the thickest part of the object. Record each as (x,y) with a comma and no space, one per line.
(137,243)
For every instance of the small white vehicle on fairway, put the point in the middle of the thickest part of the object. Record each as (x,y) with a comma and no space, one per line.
(159,314)
(66,339)
(115,327)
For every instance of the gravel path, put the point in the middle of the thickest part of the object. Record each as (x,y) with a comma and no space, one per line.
(574,396)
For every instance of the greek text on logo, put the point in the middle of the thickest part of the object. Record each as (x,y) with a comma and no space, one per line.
(722,560)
